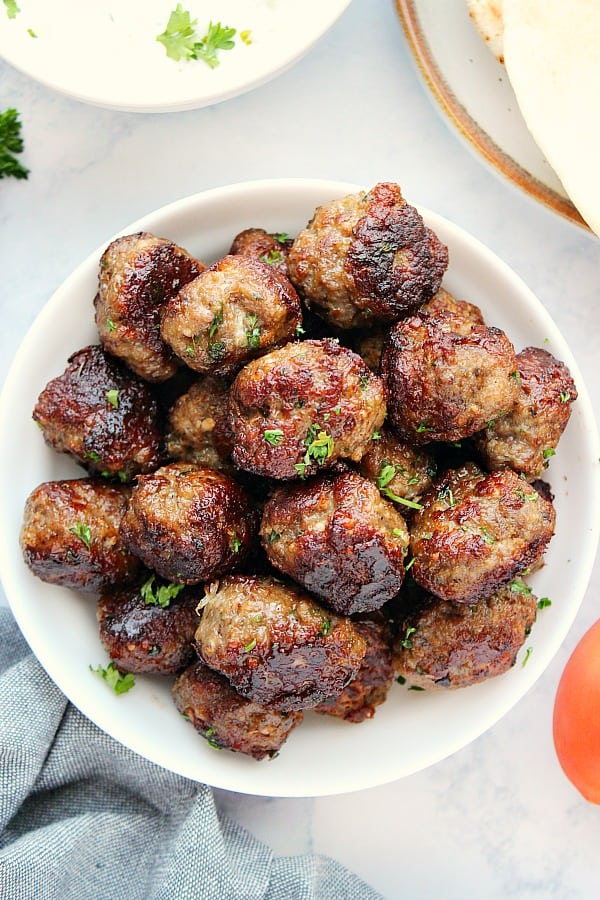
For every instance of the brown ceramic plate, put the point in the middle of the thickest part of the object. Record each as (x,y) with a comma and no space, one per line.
(474,93)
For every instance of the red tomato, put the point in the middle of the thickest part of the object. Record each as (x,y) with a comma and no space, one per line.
(576,723)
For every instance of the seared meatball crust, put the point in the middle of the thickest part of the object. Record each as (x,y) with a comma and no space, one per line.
(370,688)
(453,645)
(198,424)
(369,344)
(476,532)
(400,471)
(141,635)
(275,644)
(102,414)
(444,301)
(138,274)
(447,377)
(236,310)
(70,534)
(270,248)
(367,257)
(338,538)
(302,408)
(189,523)
(227,720)
(529,434)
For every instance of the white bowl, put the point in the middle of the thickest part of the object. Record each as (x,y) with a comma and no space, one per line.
(323,756)
(124,67)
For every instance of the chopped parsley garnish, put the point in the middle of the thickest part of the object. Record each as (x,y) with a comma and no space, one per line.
(235,543)
(364,382)
(544,603)
(416,687)
(319,445)
(397,532)
(11,8)
(162,595)
(250,646)
(406,641)
(273,436)
(386,474)
(83,532)
(110,325)
(446,494)
(214,325)
(120,682)
(181,42)
(422,427)
(401,679)
(273,536)
(528,653)
(516,375)
(253,334)
(210,740)
(299,331)
(11,142)
(409,565)
(272,257)
(283,236)
(523,496)
(113,398)
(91,454)
(216,350)
(518,586)
(376,436)
(565,396)
(548,452)
(326,627)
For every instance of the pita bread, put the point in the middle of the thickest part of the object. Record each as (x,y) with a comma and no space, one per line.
(487,16)
(552,56)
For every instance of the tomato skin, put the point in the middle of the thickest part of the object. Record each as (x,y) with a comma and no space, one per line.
(576,720)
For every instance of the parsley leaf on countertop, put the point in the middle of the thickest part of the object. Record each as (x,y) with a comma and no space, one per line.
(11,142)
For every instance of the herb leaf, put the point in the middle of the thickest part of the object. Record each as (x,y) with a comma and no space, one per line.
(83,532)
(179,37)
(273,436)
(11,142)
(113,398)
(254,332)
(163,594)
(11,8)
(120,682)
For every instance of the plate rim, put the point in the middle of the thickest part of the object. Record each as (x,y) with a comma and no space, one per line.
(467,127)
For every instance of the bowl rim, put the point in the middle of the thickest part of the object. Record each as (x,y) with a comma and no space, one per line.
(160,218)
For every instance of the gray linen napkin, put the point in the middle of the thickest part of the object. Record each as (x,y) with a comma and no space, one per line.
(82,817)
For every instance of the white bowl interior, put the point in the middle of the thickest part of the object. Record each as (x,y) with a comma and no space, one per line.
(323,756)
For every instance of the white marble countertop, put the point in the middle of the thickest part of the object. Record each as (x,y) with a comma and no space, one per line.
(498,819)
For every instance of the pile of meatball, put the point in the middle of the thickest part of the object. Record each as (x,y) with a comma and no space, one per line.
(311,471)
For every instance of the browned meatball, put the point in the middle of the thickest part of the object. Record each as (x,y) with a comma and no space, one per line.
(198,424)
(227,720)
(303,407)
(138,274)
(272,249)
(70,534)
(401,472)
(369,344)
(477,531)
(529,434)
(189,524)
(453,645)
(443,301)
(101,414)
(447,377)
(338,538)
(275,644)
(236,310)
(370,688)
(149,628)
(367,256)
